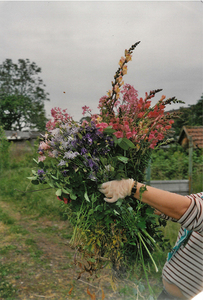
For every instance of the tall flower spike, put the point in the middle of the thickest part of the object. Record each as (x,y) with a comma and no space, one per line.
(122,70)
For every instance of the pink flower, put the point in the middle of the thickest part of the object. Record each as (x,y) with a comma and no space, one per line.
(84,122)
(129,135)
(118,134)
(41,158)
(152,145)
(50,154)
(141,114)
(44,146)
(102,126)
(86,109)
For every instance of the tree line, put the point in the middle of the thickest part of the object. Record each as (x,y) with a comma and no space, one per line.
(22,96)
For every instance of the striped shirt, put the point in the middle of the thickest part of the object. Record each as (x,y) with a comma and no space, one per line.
(185,268)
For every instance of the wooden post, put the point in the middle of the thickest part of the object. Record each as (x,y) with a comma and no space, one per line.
(148,173)
(190,164)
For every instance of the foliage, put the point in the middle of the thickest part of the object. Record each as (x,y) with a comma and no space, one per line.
(4,150)
(173,164)
(170,163)
(75,158)
(22,96)
(189,116)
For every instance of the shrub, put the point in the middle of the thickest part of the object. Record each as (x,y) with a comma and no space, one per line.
(4,151)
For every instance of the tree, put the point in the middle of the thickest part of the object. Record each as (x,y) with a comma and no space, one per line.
(22,96)
(189,116)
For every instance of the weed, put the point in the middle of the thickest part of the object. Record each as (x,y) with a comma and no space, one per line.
(6,249)
(5,218)
(7,290)
(18,229)
(30,242)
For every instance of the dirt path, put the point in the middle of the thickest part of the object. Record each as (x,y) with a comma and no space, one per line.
(36,261)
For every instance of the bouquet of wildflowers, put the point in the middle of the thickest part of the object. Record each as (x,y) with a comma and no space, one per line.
(75,158)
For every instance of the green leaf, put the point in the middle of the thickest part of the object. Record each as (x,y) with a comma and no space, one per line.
(66,191)
(35,182)
(73,196)
(125,144)
(32,178)
(141,225)
(59,192)
(115,139)
(109,130)
(119,202)
(79,135)
(99,208)
(123,159)
(86,197)
(35,161)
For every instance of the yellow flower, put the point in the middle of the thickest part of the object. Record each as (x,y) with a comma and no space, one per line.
(109,93)
(119,79)
(126,52)
(116,89)
(121,61)
(125,69)
(128,57)
(99,119)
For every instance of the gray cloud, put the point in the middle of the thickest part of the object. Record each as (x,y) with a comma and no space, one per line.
(78,46)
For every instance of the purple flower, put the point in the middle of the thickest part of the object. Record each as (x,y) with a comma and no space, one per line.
(40,172)
(65,173)
(62,163)
(92,165)
(40,151)
(83,151)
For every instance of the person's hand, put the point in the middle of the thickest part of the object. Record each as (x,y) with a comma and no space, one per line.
(115,189)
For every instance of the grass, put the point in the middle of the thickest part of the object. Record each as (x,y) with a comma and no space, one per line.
(35,254)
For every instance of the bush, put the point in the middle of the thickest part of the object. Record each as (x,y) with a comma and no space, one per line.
(169,163)
(4,151)
(173,164)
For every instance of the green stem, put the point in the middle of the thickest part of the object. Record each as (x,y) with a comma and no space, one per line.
(141,239)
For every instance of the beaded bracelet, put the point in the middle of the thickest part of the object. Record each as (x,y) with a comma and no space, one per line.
(134,189)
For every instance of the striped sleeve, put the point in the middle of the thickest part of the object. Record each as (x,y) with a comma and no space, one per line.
(193,217)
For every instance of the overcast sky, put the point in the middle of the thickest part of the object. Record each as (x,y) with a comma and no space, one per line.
(78,46)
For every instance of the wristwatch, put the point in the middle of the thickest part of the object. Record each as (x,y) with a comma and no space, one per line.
(134,189)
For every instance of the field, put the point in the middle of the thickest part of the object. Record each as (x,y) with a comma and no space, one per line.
(36,260)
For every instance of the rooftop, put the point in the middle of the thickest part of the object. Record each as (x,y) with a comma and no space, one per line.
(194,132)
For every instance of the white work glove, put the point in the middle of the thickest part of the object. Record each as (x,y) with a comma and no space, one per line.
(115,189)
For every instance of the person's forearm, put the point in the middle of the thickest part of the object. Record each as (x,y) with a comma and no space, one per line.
(171,204)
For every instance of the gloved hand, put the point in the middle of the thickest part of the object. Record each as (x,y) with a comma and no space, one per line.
(115,189)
